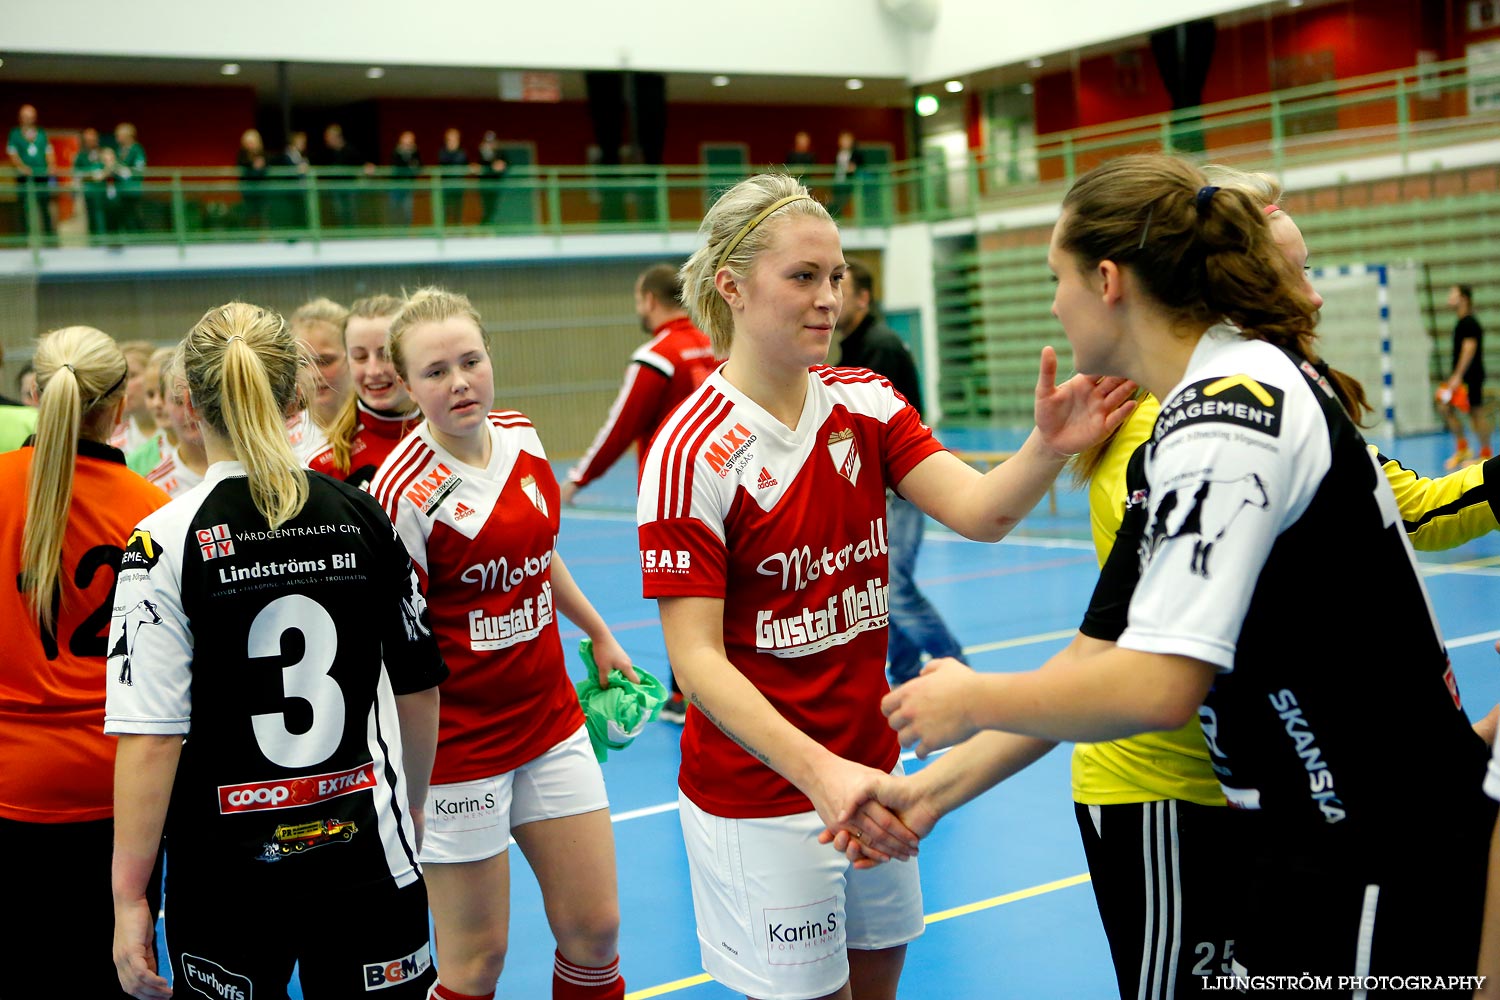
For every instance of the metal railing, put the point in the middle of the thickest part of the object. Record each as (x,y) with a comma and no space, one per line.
(1402,112)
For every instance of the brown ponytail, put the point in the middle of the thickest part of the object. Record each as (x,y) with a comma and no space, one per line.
(1203,252)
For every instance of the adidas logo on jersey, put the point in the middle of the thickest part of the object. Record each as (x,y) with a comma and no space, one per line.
(766,480)
(461,511)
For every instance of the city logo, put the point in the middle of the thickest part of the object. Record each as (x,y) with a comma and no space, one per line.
(215,542)
(534,494)
(766,480)
(845,452)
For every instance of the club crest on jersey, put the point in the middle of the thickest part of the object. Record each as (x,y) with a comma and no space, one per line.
(215,542)
(534,494)
(1317,376)
(1237,400)
(1203,511)
(845,452)
(140,614)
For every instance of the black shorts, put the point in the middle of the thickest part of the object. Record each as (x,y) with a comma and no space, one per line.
(59,887)
(224,938)
(1157,871)
(1476,391)
(1304,918)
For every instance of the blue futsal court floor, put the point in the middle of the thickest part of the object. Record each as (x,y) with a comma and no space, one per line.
(1005,884)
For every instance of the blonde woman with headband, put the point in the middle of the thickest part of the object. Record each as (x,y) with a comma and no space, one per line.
(71,503)
(273,683)
(762,535)
(474,498)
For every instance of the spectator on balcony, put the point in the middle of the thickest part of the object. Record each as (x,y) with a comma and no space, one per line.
(454,162)
(30,152)
(492,168)
(88,179)
(289,205)
(252,163)
(406,164)
(847,162)
(340,153)
(800,156)
(130,169)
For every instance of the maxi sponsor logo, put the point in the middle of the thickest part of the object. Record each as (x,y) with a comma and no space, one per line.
(799,567)
(725,454)
(289,792)
(428,492)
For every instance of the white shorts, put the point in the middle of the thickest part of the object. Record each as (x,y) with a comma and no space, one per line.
(777,911)
(472,820)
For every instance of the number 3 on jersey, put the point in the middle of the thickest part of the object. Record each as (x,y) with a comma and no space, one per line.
(306,679)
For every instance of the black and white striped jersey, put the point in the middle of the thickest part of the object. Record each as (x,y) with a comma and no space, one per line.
(278,656)
(1271,546)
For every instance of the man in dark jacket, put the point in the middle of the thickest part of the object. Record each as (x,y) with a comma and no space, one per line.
(915,624)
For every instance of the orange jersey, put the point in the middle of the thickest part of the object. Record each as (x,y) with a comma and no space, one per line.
(56,764)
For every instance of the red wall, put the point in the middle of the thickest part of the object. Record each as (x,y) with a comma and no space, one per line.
(1362,36)
(178,126)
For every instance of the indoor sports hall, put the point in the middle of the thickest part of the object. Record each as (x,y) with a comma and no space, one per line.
(539,159)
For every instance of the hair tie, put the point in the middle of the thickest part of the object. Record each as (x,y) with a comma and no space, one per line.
(1271,210)
(232,338)
(764,213)
(107,392)
(1204,197)
(71,369)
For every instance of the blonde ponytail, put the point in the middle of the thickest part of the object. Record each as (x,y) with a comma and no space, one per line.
(80,376)
(241,365)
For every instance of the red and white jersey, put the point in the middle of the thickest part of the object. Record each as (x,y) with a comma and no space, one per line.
(482,541)
(662,374)
(304,434)
(788,528)
(376,435)
(172,475)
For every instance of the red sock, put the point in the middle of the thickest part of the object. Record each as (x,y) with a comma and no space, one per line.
(441,992)
(577,982)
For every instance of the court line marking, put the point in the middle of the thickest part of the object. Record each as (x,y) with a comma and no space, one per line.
(931,918)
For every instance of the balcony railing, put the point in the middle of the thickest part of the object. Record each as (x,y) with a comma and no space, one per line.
(1404,113)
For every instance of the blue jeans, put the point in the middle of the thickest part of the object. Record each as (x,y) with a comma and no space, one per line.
(915,624)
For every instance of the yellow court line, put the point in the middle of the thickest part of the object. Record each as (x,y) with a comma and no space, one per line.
(931,918)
